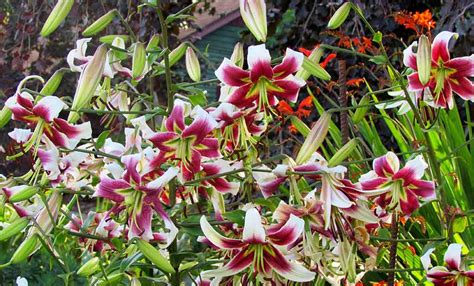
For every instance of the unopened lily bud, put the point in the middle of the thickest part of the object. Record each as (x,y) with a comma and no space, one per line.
(89,268)
(314,57)
(340,16)
(108,39)
(343,153)
(59,13)
(100,24)
(315,138)
(88,82)
(423,59)
(5,116)
(153,43)
(113,279)
(192,65)
(176,54)
(237,56)
(139,60)
(315,69)
(53,83)
(20,193)
(26,248)
(254,14)
(14,228)
(135,282)
(154,256)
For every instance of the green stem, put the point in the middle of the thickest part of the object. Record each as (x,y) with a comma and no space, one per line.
(165,45)
(347,51)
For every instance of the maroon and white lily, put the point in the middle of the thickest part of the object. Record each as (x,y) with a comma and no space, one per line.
(398,188)
(262,84)
(259,249)
(78,60)
(451,275)
(43,118)
(187,144)
(447,75)
(138,194)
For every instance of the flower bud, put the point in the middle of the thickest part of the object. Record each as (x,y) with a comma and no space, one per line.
(314,57)
(14,228)
(100,24)
(423,60)
(254,14)
(361,111)
(135,282)
(176,54)
(153,43)
(192,65)
(315,138)
(113,279)
(343,153)
(154,256)
(237,56)
(139,60)
(22,193)
(53,83)
(340,16)
(59,13)
(89,268)
(108,39)
(5,116)
(26,248)
(88,82)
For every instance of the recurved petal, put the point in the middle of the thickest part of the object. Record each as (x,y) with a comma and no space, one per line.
(73,132)
(463,87)
(209,147)
(409,57)
(414,169)
(240,262)
(259,61)
(425,258)
(49,108)
(288,233)
(243,96)
(20,135)
(387,165)
(289,270)
(217,239)
(175,121)
(201,126)
(50,160)
(463,66)
(287,88)
(414,83)
(440,45)
(441,276)
(110,189)
(291,63)
(253,228)
(231,74)
(165,141)
(164,179)
(452,256)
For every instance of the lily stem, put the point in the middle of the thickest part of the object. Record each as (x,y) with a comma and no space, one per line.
(393,248)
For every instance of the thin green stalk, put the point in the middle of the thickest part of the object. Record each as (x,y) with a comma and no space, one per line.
(165,45)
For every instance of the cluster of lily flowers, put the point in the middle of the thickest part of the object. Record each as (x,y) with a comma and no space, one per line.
(194,151)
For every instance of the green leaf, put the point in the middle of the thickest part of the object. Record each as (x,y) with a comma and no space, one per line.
(377,37)
(379,59)
(101,139)
(155,256)
(315,69)
(300,126)
(237,216)
(460,224)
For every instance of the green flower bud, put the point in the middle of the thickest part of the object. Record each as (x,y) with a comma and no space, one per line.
(153,43)
(340,16)
(343,153)
(14,228)
(176,54)
(254,14)
(315,69)
(139,60)
(5,116)
(100,23)
(23,194)
(26,248)
(423,59)
(237,56)
(53,83)
(108,39)
(192,65)
(154,256)
(89,268)
(315,138)
(314,57)
(59,13)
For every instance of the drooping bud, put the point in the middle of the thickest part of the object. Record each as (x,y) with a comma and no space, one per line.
(153,43)
(176,54)
(14,228)
(192,65)
(343,153)
(26,248)
(20,193)
(5,116)
(88,82)
(108,39)
(89,268)
(237,56)
(340,16)
(315,138)
(59,13)
(53,83)
(100,23)
(314,57)
(154,256)
(423,59)
(139,60)
(254,14)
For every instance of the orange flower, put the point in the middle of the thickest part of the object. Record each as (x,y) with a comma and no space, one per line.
(412,249)
(416,21)
(293,129)
(324,63)
(355,82)
(306,52)
(284,108)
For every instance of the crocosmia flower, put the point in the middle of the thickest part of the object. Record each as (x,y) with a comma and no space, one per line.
(399,188)
(259,249)
(187,144)
(262,84)
(453,274)
(447,75)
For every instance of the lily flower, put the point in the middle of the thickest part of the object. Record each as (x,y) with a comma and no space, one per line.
(78,60)
(453,274)
(398,188)
(43,117)
(262,84)
(187,144)
(238,127)
(258,251)
(403,105)
(447,75)
(138,194)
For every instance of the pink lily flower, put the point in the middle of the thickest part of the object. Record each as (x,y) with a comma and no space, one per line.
(398,188)
(138,195)
(453,274)
(43,117)
(262,84)
(447,75)
(187,144)
(238,127)
(78,60)
(259,250)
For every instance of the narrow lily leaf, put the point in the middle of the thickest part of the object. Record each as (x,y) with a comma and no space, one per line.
(361,111)
(315,138)
(5,116)
(14,228)
(300,126)
(53,83)
(154,256)
(343,153)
